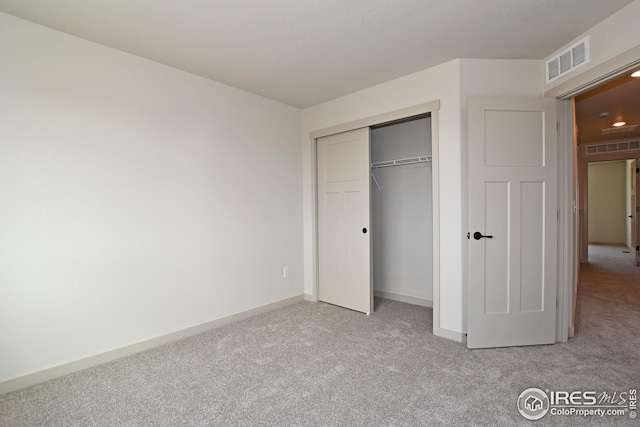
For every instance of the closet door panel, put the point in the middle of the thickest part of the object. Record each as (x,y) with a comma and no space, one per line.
(344,212)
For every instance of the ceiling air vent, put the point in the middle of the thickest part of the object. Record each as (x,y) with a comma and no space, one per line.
(619,129)
(568,60)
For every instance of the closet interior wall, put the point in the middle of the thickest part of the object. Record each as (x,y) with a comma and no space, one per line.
(402,213)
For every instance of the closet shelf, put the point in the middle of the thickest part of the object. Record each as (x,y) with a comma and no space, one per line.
(400,162)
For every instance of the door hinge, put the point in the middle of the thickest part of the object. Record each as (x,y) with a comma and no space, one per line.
(556,302)
(637,248)
(558,215)
(557,126)
(637,170)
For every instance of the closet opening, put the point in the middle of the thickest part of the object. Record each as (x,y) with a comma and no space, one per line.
(341,159)
(402,210)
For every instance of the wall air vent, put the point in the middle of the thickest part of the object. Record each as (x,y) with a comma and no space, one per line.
(568,60)
(608,147)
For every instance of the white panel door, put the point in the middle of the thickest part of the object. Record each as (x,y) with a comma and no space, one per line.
(512,163)
(344,220)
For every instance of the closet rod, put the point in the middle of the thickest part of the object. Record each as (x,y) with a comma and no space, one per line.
(400,162)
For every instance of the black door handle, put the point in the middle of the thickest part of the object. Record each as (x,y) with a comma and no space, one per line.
(477,235)
(364,230)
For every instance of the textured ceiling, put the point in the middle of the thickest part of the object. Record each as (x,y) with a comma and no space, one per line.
(304,52)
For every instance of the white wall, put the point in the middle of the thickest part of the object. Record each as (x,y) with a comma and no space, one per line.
(607,202)
(135,199)
(450,83)
(402,211)
(608,39)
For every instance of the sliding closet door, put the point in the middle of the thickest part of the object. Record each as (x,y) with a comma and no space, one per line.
(344,217)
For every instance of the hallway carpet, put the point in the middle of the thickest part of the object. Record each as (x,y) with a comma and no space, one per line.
(611,275)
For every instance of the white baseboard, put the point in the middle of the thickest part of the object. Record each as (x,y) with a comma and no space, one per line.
(310,298)
(460,337)
(609,244)
(404,298)
(97,359)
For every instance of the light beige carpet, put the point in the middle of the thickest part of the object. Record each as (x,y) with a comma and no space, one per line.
(316,364)
(611,275)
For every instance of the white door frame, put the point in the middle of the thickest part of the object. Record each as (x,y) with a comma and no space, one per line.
(431,108)
(568,260)
(567,219)
(583,162)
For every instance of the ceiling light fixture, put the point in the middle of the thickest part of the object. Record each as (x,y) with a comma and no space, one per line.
(636,74)
(621,129)
(618,124)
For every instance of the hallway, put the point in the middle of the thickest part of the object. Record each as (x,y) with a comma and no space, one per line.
(609,294)
(610,275)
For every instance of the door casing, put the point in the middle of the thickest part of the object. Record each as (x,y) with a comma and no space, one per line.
(431,108)
(568,231)
(583,161)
